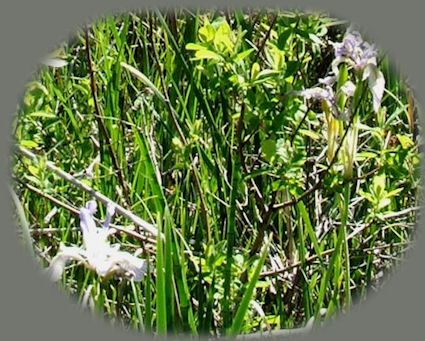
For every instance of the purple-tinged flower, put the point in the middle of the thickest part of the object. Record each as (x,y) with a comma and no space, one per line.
(362,57)
(317,93)
(98,255)
(328,81)
(354,51)
(348,89)
(376,84)
(327,94)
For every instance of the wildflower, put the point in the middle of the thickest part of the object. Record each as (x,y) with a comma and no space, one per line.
(329,98)
(376,84)
(362,57)
(328,81)
(317,93)
(354,51)
(97,254)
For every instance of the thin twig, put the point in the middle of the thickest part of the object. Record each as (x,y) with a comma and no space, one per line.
(400,213)
(74,211)
(330,251)
(99,196)
(263,43)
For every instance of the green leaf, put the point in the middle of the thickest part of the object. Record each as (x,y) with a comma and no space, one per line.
(394,192)
(255,71)
(28,144)
(268,147)
(309,228)
(207,32)
(195,47)
(379,183)
(310,133)
(42,114)
(206,54)
(222,39)
(283,37)
(291,67)
(243,307)
(241,56)
(405,141)
(366,195)
(267,73)
(383,203)
(365,155)
(145,80)
(161,300)
(315,39)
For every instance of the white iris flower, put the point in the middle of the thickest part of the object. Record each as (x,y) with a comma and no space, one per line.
(97,254)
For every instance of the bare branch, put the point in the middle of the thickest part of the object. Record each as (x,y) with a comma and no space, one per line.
(99,196)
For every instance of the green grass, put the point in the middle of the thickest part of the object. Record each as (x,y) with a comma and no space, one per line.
(198,132)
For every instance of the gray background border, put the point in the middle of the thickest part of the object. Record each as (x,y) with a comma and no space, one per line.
(32,309)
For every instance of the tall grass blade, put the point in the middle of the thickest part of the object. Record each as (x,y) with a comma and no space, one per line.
(243,308)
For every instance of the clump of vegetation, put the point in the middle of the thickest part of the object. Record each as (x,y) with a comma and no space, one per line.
(263,167)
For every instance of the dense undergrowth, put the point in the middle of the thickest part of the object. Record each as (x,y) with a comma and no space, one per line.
(277,203)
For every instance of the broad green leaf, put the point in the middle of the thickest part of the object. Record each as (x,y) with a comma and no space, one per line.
(241,56)
(223,37)
(394,192)
(28,144)
(255,70)
(365,155)
(268,147)
(366,195)
(207,32)
(267,72)
(405,141)
(283,37)
(206,54)
(33,170)
(195,47)
(379,183)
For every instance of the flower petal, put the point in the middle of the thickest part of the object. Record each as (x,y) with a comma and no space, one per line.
(316,93)
(376,85)
(348,89)
(110,211)
(58,263)
(328,81)
(92,206)
(130,266)
(87,223)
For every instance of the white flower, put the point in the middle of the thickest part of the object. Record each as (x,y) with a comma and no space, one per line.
(348,89)
(354,50)
(362,57)
(376,84)
(316,93)
(328,95)
(98,255)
